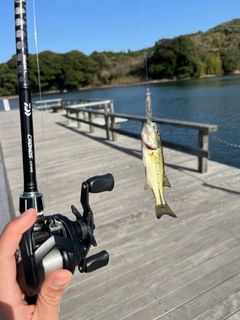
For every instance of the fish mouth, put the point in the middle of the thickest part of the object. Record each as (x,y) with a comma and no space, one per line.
(148,146)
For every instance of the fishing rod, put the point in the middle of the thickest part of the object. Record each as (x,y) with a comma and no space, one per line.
(54,241)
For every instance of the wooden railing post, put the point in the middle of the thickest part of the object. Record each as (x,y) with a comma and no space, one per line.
(114,136)
(90,119)
(111,107)
(68,117)
(106,116)
(105,107)
(202,144)
(78,122)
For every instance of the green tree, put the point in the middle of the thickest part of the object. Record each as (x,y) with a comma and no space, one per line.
(78,69)
(8,78)
(33,73)
(51,70)
(103,65)
(176,57)
(230,60)
(215,43)
(163,61)
(100,59)
(213,63)
(187,58)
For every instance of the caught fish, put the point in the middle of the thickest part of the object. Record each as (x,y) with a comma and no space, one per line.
(152,156)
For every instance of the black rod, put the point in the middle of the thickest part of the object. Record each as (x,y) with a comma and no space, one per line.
(30,197)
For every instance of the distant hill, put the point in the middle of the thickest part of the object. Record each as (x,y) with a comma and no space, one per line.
(214,52)
(229,27)
(223,37)
(204,53)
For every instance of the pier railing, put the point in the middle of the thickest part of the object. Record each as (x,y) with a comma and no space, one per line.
(110,125)
(58,104)
(50,104)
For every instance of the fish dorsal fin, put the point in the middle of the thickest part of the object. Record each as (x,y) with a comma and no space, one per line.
(166,182)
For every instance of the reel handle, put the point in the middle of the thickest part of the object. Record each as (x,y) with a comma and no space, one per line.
(102,183)
(95,262)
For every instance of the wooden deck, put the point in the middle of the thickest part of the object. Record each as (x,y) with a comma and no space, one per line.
(184,268)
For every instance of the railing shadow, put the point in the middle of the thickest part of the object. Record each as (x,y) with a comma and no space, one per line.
(131,152)
(221,188)
(212,186)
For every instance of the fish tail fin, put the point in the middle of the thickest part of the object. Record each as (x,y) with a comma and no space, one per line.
(164,209)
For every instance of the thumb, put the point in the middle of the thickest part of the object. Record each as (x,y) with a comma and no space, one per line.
(49,298)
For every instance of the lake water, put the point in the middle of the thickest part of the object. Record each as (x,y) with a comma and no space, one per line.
(212,101)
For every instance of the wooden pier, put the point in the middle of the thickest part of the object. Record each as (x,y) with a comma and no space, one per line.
(184,268)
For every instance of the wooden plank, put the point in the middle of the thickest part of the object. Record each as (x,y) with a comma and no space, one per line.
(224,309)
(168,305)
(164,298)
(141,280)
(235,316)
(155,265)
(224,289)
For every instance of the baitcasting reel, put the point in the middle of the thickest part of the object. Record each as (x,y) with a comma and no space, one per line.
(55,242)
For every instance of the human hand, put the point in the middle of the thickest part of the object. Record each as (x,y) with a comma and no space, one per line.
(12,304)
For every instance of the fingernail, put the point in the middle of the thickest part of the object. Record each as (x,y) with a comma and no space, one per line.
(60,284)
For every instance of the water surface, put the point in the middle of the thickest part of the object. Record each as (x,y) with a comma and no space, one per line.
(212,101)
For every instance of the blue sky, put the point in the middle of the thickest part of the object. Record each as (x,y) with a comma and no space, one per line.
(111,25)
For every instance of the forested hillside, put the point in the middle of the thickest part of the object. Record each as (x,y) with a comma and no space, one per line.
(214,52)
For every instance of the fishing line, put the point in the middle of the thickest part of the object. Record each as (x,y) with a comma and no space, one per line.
(145,51)
(148,102)
(40,97)
(36,48)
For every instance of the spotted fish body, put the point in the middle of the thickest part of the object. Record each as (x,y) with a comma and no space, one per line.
(152,155)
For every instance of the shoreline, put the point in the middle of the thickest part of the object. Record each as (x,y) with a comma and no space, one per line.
(88,88)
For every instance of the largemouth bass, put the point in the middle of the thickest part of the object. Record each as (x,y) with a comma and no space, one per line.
(152,156)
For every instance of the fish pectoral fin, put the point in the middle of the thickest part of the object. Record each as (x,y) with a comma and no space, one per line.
(166,182)
(164,209)
(146,185)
